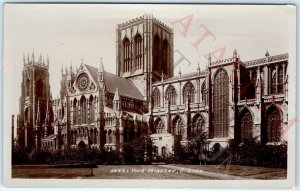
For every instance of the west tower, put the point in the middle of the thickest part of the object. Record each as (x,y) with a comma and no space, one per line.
(144,52)
(35,111)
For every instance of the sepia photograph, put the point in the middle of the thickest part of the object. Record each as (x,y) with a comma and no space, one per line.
(144,95)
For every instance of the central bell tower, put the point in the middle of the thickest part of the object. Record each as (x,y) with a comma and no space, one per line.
(144,52)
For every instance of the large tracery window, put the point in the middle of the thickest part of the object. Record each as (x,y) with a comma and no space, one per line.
(138,51)
(246,125)
(83,110)
(220,104)
(75,112)
(159,126)
(198,125)
(273,125)
(156,97)
(171,95)
(92,110)
(127,54)
(188,92)
(178,128)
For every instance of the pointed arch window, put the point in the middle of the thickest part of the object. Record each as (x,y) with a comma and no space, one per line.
(220,104)
(273,81)
(246,125)
(189,92)
(83,110)
(171,95)
(92,109)
(198,125)
(139,51)
(273,125)
(156,97)
(75,112)
(127,55)
(280,79)
(177,126)
(159,126)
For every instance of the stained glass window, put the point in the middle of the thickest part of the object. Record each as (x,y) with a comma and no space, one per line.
(171,95)
(156,97)
(273,125)
(220,104)
(139,51)
(189,92)
(246,125)
(126,44)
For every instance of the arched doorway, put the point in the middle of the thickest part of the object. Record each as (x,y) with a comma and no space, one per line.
(81,145)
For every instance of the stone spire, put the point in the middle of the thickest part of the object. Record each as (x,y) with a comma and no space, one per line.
(267,53)
(234,53)
(32,57)
(101,71)
(116,100)
(209,59)
(28,60)
(40,59)
(198,68)
(117,96)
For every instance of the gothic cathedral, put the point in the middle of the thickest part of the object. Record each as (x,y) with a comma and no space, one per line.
(229,100)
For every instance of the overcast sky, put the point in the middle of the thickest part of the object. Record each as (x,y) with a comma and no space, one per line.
(69,33)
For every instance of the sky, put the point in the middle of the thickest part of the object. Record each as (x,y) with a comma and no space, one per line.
(69,33)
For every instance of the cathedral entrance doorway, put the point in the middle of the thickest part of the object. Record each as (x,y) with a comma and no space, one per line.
(81,145)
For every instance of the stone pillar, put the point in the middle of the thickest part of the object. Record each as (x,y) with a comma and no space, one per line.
(266,80)
(107,138)
(162,99)
(121,134)
(276,78)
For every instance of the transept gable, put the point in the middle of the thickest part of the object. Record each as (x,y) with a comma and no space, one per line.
(85,80)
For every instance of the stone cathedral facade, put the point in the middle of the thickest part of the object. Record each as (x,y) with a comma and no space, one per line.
(230,99)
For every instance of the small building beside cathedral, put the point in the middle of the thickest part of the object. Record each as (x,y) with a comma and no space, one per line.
(229,99)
